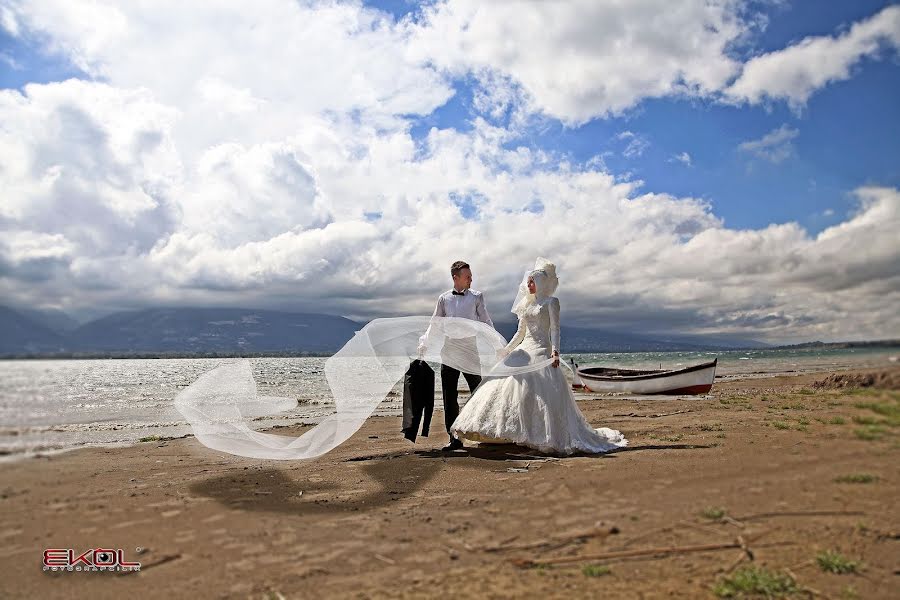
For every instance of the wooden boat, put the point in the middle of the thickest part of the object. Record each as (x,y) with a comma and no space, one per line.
(697,379)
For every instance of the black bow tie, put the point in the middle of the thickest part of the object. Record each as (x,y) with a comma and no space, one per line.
(455,293)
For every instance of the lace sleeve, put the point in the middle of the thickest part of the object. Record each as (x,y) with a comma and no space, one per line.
(517,338)
(554,324)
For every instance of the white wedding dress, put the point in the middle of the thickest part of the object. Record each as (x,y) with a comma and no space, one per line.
(536,409)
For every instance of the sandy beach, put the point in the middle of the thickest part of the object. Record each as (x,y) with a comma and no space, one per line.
(770,472)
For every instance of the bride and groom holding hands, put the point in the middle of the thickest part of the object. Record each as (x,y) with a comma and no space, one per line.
(533,408)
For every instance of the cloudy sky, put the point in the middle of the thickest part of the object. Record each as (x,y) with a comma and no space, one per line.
(706,166)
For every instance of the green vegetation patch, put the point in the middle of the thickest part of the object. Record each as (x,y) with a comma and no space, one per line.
(713,512)
(832,561)
(596,570)
(857,478)
(756,582)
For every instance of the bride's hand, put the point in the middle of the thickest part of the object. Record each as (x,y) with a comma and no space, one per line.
(555,362)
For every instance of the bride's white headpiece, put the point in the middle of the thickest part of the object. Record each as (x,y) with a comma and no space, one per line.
(545,282)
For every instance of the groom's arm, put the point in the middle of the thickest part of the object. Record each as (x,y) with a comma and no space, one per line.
(482,313)
(439,311)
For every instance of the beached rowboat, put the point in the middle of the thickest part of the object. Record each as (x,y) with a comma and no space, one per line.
(697,379)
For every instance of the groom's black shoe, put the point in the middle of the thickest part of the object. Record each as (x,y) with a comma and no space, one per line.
(454,444)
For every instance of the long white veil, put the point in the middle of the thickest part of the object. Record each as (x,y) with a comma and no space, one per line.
(219,403)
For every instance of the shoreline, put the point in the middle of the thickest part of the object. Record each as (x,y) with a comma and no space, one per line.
(393,410)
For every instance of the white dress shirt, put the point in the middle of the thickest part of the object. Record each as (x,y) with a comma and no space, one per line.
(468,306)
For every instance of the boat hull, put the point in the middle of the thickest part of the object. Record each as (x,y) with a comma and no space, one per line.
(693,380)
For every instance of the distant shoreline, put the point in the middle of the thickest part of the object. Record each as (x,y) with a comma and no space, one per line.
(301,354)
(839,345)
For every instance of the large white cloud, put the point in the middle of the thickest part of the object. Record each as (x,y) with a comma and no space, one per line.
(578,59)
(89,161)
(241,72)
(796,72)
(265,159)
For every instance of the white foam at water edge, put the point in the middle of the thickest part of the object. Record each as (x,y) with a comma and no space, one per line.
(50,451)
(102,426)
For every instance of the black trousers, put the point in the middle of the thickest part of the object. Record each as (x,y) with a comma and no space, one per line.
(449,381)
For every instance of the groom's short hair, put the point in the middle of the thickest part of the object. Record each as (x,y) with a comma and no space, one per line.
(458,266)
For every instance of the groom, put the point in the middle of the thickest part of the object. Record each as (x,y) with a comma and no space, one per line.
(468,304)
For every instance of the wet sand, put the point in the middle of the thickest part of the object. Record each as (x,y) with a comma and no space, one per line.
(778,464)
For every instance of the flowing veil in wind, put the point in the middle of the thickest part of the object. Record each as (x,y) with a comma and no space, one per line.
(220,403)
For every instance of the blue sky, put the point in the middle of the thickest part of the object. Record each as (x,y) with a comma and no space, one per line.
(33,63)
(729,167)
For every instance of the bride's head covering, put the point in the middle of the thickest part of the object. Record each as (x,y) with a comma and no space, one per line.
(545,283)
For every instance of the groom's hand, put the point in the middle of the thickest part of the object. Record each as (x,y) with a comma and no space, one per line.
(555,362)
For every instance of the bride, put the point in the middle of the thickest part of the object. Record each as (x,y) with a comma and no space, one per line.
(536,409)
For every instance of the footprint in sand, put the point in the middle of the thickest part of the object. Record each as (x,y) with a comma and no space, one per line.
(213,518)
(124,524)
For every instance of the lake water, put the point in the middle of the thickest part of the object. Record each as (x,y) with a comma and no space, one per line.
(57,405)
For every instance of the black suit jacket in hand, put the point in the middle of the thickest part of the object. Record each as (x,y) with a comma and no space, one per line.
(418,399)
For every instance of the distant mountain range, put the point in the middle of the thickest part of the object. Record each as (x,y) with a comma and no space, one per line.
(841,345)
(175,332)
(236,331)
(20,334)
